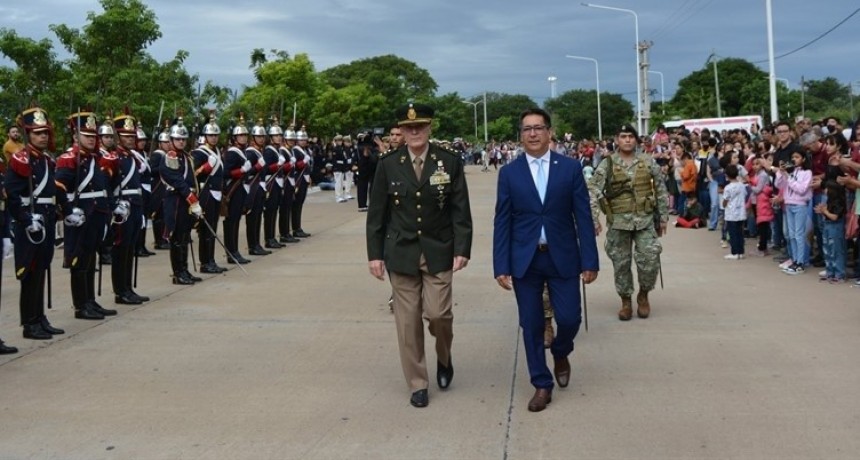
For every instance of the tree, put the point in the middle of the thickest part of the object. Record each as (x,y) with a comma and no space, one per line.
(398,80)
(37,77)
(283,81)
(575,112)
(695,97)
(347,110)
(453,118)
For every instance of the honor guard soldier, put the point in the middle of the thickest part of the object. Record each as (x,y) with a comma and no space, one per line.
(277,164)
(156,208)
(139,153)
(8,248)
(630,189)
(85,175)
(339,166)
(107,145)
(351,154)
(419,229)
(236,167)
(210,177)
(256,193)
(181,203)
(285,211)
(302,176)
(128,221)
(32,199)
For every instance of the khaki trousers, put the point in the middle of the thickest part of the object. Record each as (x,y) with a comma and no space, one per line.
(415,298)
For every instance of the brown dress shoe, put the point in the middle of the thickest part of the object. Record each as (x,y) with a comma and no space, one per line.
(542,397)
(562,371)
(548,333)
(644,307)
(626,311)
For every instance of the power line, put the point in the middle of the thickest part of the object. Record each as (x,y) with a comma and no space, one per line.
(815,39)
(684,17)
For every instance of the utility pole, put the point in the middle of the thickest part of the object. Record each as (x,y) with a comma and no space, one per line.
(645,102)
(802,97)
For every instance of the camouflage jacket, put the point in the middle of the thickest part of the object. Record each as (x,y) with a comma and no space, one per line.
(632,220)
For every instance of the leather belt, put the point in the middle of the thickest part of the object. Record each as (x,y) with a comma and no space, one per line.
(542,248)
(88,195)
(134,191)
(25,200)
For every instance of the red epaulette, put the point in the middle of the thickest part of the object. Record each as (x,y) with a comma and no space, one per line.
(20,163)
(68,160)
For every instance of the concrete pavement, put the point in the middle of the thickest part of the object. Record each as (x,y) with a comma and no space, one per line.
(300,360)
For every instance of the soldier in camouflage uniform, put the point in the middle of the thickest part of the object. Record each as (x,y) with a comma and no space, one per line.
(630,189)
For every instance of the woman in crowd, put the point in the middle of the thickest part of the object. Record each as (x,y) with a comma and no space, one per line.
(795,180)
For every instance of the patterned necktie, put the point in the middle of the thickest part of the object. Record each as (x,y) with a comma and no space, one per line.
(418,163)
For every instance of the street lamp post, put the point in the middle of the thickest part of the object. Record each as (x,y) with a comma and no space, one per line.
(475,107)
(638,68)
(597,77)
(662,91)
(552,79)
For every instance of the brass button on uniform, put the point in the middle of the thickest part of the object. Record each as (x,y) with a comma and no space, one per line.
(419,232)
(396,201)
(418,194)
(419,220)
(419,206)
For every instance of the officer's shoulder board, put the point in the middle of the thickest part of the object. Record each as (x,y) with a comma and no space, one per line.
(445,149)
(171,160)
(387,153)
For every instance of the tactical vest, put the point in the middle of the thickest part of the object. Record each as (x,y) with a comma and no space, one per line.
(630,196)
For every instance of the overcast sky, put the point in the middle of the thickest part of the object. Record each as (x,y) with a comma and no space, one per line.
(471,46)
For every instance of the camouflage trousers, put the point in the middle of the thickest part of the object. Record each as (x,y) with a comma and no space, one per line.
(547,306)
(640,245)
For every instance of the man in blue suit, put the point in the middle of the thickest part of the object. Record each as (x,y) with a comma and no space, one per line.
(544,235)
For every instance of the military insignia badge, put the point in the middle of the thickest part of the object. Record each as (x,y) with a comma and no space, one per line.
(91,123)
(440,177)
(129,124)
(39,118)
(411,114)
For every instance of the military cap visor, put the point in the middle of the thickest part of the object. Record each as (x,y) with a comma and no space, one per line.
(414,114)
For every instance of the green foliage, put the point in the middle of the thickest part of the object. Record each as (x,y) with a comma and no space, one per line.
(398,80)
(695,97)
(347,110)
(575,112)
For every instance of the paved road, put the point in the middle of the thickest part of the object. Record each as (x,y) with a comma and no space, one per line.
(299,360)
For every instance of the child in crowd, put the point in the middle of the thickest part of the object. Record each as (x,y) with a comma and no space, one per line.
(587,169)
(796,179)
(833,234)
(693,212)
(763,193)
(734,202)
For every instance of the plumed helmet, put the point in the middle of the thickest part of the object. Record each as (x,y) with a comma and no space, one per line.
(178,131)
(125,124)
(240,126)
(141,134)
(302,134)
(275,128)
(211,128)
(106,128)
(83,122)
(258,129)
(164,136)
(290,133)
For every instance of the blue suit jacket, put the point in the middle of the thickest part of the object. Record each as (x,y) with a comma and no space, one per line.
(565,216)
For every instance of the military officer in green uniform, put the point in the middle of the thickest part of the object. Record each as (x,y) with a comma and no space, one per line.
(630,189)
(419,229)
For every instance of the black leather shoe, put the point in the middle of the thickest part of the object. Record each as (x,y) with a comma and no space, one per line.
(188,275)
(6,349)
(444,374)
(210,267)
(46,326)
(87,312)
(94,306)
(289,239)
(180,278)
(35,332)
(301,234)
(126,299)
(258,251)
(162,246)
(142,298)
(142,252)
(273,244)
(237,258)
(419,399)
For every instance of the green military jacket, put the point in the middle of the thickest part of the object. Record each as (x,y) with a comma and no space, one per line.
(632,220)
(408,217)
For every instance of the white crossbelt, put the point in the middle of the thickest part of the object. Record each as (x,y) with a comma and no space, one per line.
(133,191)
(87,195)
(25,200)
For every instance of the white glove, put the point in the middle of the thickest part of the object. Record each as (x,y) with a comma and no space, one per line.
(76,218)
(281,160)
(122,208)
(293,160)
(213,160)
(196,210)
(36,223)
(260,163)
(247,166)
(8,248)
